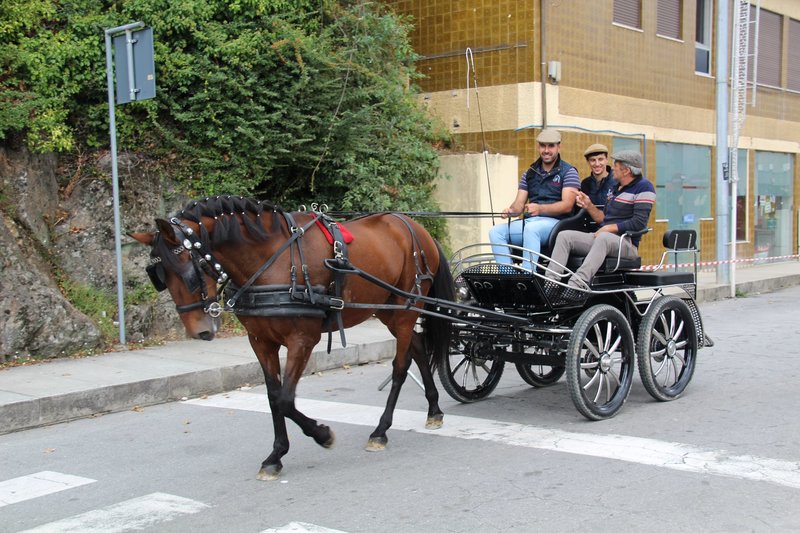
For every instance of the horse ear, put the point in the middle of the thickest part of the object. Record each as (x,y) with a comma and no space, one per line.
(144,238)
(167,232)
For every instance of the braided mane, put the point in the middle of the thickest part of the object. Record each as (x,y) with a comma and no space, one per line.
(228,212)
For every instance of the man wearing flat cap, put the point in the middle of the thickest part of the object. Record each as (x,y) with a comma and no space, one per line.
(600,182)
(545,195)
(628,209)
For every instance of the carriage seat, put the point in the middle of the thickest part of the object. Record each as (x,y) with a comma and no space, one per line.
(675,242)
(578,221)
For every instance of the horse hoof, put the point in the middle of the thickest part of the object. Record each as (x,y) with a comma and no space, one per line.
(434,422)
(376,444)
(331,440)
(269,473)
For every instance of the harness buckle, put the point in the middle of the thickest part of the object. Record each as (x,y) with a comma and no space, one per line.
(337,249)
(214,309)
(298,229)
(337,304)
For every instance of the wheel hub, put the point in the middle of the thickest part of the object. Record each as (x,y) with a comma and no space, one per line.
(671,348)
(605,362)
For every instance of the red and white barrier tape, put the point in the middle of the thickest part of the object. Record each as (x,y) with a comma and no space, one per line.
(704,264)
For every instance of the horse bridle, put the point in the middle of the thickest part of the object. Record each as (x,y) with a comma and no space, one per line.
(202,264)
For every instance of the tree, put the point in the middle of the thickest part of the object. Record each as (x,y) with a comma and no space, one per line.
(296,101)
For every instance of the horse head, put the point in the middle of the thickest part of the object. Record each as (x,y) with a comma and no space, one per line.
(182,263)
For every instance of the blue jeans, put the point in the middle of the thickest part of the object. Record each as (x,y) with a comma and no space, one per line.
(530,234)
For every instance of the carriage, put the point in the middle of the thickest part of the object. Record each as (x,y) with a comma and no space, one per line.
(593,336)
(291,276)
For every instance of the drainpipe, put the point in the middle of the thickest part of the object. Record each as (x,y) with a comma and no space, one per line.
(724,221)
(542,49)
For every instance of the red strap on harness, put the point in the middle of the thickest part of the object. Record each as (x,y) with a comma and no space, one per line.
(346,235)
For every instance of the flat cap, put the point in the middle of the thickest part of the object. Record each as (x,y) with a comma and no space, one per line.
(548,136)
(628,157)
(596,149)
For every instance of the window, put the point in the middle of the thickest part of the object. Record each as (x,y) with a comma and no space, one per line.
(702,37)
(628,13)
(774,212)
(770,36)
(793,66)
(683,184)
(741,196)
(668,18)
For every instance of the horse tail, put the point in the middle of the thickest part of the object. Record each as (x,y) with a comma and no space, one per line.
(437,329)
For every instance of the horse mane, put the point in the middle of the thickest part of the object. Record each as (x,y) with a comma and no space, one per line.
(228,212)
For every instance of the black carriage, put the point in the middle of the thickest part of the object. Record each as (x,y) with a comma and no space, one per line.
(547,329)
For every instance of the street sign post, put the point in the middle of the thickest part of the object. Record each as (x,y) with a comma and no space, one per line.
(133,51)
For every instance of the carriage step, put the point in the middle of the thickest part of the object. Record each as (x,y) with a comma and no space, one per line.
(654,279)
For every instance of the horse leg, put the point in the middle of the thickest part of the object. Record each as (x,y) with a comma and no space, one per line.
(267,354)
(296,360)
(435,414)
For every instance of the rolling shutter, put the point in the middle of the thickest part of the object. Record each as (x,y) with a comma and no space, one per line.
(668,18)
(793,68)
(628,13)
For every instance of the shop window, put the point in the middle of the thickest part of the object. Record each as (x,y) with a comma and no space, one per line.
(742,204)
(773,204)
(683,185)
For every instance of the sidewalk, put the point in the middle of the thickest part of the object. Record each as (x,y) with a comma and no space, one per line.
(63,390)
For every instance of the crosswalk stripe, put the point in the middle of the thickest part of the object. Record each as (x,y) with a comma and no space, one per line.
(301,527)
(32,486)
(130,515)
(672,455)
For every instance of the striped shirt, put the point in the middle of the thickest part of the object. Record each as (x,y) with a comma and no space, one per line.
(629,207)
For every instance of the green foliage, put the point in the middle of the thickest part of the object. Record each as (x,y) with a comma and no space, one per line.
(290,100)
(97,304)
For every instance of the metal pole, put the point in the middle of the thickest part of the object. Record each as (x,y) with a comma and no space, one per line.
(721,156)
(112,126)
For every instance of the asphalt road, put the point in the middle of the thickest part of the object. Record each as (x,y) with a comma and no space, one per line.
(724,457)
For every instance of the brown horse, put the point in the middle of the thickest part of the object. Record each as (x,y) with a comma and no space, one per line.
(288,284)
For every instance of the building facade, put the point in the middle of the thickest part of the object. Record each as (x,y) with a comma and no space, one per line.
(629,74)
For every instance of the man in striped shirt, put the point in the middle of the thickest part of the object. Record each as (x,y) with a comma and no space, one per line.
(627,209)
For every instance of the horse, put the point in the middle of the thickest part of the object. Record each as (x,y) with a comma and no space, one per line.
(287,284)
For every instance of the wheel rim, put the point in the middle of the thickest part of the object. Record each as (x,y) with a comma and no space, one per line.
(671,350)
(470,373)
(600,362)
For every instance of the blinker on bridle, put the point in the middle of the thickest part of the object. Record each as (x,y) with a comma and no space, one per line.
(201,263)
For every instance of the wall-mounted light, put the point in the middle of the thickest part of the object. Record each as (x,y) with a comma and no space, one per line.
(554,71)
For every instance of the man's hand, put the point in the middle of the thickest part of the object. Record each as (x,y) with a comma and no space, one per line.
(534,209)
(582,199)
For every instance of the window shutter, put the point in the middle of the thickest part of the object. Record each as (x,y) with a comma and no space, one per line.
(668,18)
(628,12)
(793,69)
(770,36)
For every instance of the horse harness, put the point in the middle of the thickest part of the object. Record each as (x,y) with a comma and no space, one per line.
(293,299)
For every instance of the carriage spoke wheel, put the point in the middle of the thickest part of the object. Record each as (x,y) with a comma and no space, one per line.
(469,373)
(666,348)
(600,357)
(540,375)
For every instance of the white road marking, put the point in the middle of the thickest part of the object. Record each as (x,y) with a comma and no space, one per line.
(24,488)
(301,527)
(130,515)
(673,455)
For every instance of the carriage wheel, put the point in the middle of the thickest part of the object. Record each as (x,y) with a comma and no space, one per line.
(600,357)
(666,348)
(540,375)
(469,373)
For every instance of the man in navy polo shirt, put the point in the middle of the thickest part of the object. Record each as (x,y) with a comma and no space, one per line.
(598,184)
(546,194)
(628,209)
